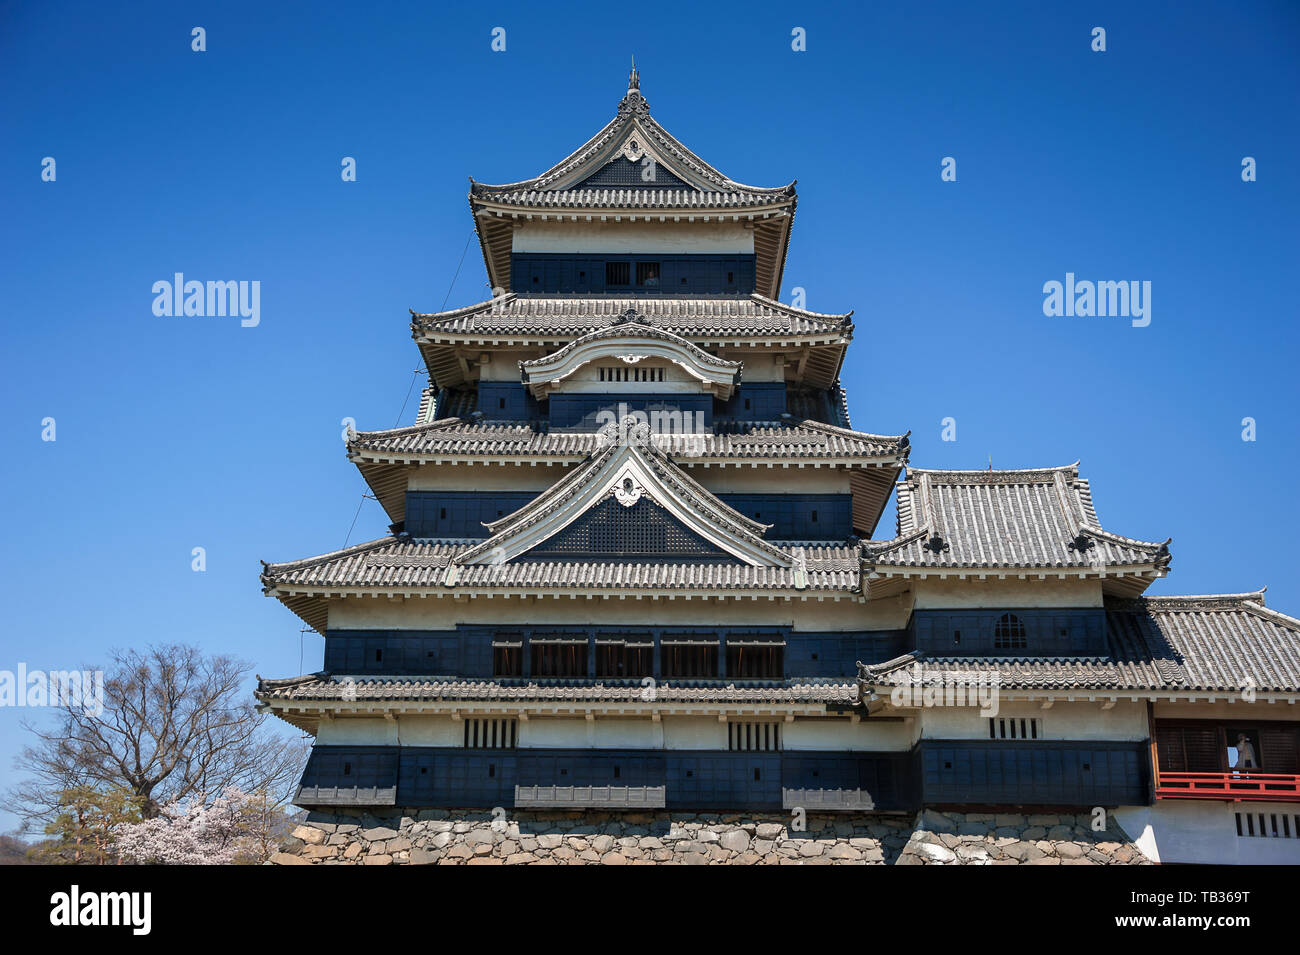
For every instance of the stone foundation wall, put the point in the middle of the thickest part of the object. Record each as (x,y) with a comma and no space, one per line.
(429,837)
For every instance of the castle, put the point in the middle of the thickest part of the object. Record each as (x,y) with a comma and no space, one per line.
(634,566)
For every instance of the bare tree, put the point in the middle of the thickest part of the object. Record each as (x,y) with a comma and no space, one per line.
(175,724)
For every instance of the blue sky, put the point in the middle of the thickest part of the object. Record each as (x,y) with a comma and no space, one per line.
(174,433)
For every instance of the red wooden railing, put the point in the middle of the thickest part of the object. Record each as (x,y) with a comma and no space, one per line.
(1262,787)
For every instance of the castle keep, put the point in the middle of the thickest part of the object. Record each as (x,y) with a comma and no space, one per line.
(635,567)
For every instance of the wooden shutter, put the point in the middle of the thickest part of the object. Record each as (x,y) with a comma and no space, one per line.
(1278,749)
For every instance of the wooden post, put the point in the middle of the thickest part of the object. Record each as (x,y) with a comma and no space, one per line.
(1155,754)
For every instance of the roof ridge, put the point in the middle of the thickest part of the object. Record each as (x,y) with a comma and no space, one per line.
(461,312)
(1190,601)
(1094,531)
(439,424)
(269,568)
(816,425)
(875,548)
(285,681)
(995,476)
(840,317)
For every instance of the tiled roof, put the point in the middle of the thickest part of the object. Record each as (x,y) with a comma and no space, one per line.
(614,198)
(480,437)
(574,188)
(552,318)
(633,113)
(323,686)
(1221,643)
(404,563)
(991,519)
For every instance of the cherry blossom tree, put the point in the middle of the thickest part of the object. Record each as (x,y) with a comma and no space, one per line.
(193,831)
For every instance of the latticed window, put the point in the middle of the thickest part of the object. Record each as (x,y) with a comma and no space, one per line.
(643,173)
(1001,727)
(618,273)
(491,734)
(689,658)
(624,659)
(1009,634)
(558,656)
(753,737)
(611,531)
(755,659)
(508,656)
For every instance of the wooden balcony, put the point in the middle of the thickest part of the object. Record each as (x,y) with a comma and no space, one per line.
(1235,787)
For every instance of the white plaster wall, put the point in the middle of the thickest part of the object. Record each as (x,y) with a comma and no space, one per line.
(949,593)
(430,731)
(1204,831)
(503,364)
(772,480)
(670,237)
(667,733)
(1126,721)
(485,477)
(357,731)
(545,733)
(759,365)
(443,613)
(694,732)
(844,734)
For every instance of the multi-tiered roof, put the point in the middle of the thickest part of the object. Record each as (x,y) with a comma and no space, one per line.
(963,525)
(710,337)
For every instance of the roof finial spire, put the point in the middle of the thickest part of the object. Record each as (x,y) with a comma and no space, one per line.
(633,78)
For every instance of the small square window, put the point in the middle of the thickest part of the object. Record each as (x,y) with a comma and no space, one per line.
(617,273)
(647,274)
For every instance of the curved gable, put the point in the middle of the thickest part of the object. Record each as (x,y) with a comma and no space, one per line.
(630,343)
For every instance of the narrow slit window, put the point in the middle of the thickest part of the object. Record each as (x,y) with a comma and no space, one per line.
(1001,727)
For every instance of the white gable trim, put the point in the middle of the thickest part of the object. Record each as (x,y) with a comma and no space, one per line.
(627,476)
(715,375)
